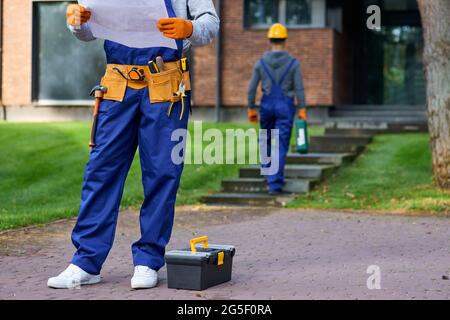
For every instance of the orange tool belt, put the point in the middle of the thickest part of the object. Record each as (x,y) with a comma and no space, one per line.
(163,86)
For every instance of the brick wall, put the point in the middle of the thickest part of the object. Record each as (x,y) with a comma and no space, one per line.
(16,52)
(242,48)
(204,76)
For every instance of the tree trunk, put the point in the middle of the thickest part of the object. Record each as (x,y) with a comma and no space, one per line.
(435,19)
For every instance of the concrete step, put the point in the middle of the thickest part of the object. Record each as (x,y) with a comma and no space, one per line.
(386,114)
(381,107)
(378,120)
(247,199)
(350,132)
(407,127)
(378,127)
(306,171)
(336,148)
(342,139)
(259,185)
(336,159)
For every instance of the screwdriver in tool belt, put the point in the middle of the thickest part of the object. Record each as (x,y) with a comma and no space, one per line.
(160,64)
(153,67)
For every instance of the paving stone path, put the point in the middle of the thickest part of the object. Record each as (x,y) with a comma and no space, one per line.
(281,254)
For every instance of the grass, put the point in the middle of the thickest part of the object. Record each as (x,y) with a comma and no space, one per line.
(41,172)
(393,175)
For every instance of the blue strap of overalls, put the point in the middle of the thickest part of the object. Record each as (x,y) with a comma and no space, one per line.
(172,14)
(283,77)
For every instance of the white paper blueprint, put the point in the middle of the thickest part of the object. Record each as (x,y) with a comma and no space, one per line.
(129,22)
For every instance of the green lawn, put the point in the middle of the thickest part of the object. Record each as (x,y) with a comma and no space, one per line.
(41,172)
(393,175)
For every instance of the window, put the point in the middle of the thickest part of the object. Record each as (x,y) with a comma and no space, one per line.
(64,68)
(298,12)
(262,12)
(293,13)
(396,73)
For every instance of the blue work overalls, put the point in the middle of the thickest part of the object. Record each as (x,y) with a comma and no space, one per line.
(277,111)
(122,127)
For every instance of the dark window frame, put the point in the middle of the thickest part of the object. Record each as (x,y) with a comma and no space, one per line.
(282,4)
(35,68)
(35,49)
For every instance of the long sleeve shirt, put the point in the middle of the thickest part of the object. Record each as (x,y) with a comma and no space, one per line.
(202,13)
(277,63)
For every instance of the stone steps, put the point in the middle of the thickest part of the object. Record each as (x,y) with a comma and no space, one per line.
(300,171)
(378,120)
(336,159)
(337,148)
(383,114)
(392,108)
(303,171)
(339,144)
(259,185)
(360,140)
(382,118)
(389,114)
(247,199)
(350,132)
(345,124)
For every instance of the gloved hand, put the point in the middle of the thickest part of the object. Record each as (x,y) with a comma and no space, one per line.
(175,28)
(253,116)
(302,114)
(77,15)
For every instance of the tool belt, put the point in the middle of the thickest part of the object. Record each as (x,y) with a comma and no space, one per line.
(162,86)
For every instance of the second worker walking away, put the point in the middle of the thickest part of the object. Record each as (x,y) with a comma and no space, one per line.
(281,78)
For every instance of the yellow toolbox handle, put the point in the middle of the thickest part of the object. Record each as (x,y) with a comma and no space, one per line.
(203,239)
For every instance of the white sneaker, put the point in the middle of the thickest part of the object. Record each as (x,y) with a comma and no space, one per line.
(73,277)
(144,278)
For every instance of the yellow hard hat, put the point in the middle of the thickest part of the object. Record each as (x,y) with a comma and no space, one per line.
(278,31)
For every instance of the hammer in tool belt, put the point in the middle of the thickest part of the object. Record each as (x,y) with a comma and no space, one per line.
(98,92)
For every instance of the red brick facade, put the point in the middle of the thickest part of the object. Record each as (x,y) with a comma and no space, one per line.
(16,57)
(317,49)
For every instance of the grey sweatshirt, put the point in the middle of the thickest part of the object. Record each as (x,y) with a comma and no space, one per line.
(277,63)
(202,13)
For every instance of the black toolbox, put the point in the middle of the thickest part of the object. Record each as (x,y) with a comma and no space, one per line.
(199,267)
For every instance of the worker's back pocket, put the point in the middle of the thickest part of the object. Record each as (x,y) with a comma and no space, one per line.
(162,86)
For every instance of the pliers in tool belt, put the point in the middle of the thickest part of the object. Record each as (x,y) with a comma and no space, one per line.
(180,95)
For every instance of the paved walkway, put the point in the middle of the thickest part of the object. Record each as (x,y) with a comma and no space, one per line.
(281,254)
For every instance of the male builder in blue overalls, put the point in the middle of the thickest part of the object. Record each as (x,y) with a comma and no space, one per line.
(281,79)
(139,109)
